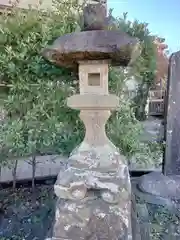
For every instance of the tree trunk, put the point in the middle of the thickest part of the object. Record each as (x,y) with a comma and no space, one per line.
(14,174)
(0,172)
(33,172)
(140,102)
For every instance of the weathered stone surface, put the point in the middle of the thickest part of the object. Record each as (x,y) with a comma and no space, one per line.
(90,220)
(97,190)
(160,185)
(94,17)
(172,152)
(96,102)
(71,48)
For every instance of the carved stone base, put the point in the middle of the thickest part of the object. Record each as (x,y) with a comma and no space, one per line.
(91,220)
(96,196)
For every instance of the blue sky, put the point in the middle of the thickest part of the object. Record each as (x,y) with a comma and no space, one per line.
(163,17)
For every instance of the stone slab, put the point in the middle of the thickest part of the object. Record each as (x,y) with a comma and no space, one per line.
(172,123)
(162,186)
(71,48)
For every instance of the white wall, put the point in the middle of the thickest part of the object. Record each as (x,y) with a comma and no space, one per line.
(44,3)
(25,3)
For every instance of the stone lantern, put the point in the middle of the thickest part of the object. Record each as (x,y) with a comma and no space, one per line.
(94,193)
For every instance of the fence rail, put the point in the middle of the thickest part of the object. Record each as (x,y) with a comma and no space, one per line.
(156,102)
(156,94)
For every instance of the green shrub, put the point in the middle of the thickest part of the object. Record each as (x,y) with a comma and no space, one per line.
(36,101)
(145,67)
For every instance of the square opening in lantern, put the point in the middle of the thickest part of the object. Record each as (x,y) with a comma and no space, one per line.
(94,79)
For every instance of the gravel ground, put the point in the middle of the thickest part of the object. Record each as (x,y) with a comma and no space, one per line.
(25,215)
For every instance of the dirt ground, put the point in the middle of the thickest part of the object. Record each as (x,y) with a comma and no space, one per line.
(25,215)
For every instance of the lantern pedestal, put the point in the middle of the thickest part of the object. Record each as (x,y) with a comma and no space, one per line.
(96,185)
